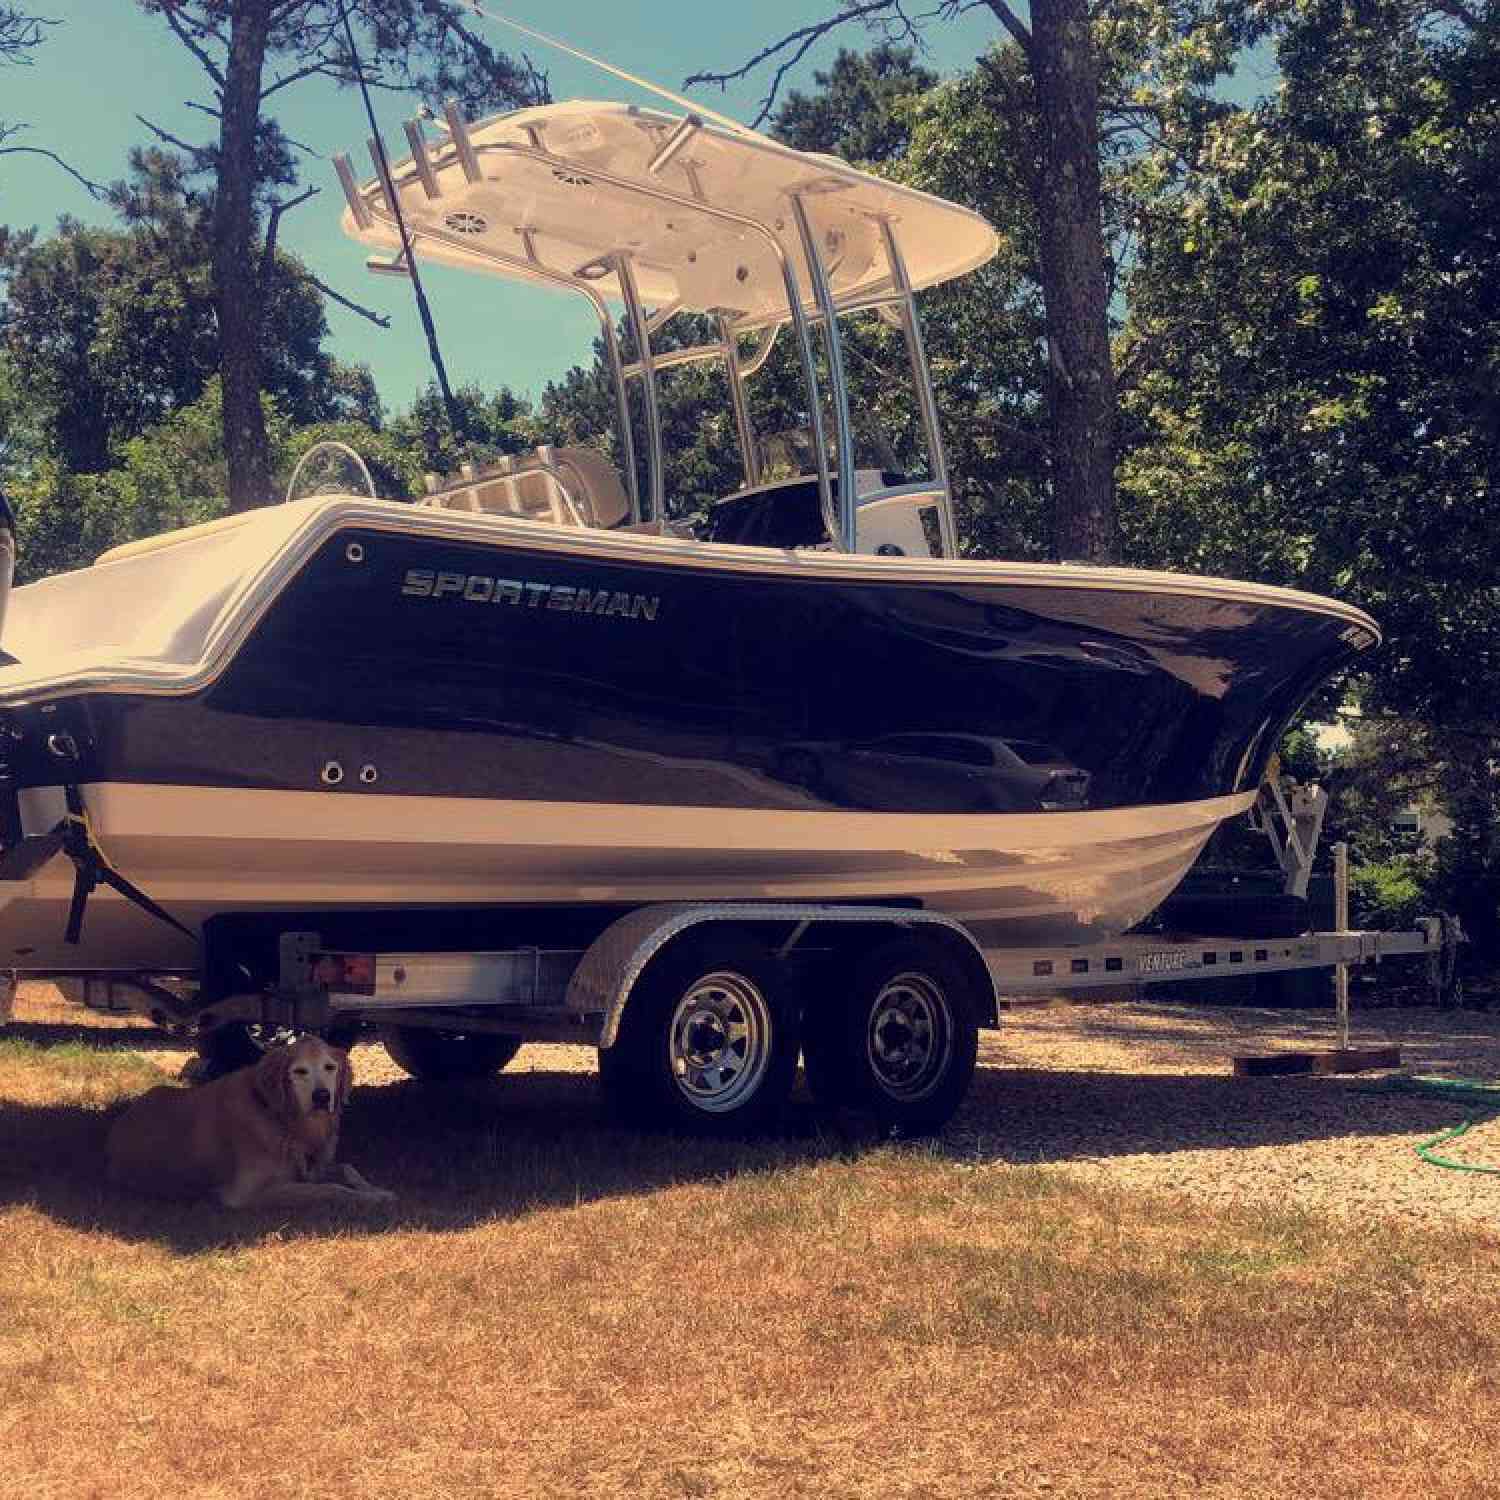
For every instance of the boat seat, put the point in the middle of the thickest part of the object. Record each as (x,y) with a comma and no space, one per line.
(598,492)
(506,493)
(509,488)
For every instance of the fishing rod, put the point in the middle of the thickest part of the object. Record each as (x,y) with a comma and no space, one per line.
(450,405)
(692,106)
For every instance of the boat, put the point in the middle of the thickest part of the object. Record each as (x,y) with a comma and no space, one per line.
(535,687)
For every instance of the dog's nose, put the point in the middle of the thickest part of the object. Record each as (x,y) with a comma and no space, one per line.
(321,1098)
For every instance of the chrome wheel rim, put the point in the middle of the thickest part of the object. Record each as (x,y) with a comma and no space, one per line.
(719,1044)
(909,1041)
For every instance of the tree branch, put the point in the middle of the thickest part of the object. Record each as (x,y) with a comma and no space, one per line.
(296,76)
(802,39)
(288,8)
(379,319)
(19,34)
(185,35)
(302,146)
(1016,436)
(95,190)
(169,138)
(1012,23)
(540,87)
(268,259)
(268,255)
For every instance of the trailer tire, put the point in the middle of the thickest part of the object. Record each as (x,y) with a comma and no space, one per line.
(901,1040)
(708,1040)
(242,1044)
(234,1045)
(448,1056)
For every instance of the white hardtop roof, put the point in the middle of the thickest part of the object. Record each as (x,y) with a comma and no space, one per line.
(563,187)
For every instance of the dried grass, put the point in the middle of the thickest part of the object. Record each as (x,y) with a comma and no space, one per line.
(556,1308)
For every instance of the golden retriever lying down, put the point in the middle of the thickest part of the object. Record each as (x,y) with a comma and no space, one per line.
(264,1137)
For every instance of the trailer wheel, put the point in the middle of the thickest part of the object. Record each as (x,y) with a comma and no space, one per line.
(236,1045)
(901,1039)
(448,1056)
(242,1044)
(708,1041)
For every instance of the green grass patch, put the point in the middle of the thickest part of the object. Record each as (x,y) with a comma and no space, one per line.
(72,1060)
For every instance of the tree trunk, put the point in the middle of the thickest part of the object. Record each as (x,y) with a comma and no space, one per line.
(239,301)
(1074,284)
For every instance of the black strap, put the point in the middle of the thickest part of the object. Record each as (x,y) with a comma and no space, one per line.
(92,870)
(84,882)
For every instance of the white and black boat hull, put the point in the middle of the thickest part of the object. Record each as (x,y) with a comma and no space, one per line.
(350,704)
(199,851)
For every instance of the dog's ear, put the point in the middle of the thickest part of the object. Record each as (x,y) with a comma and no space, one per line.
(346,1079)
(273,1082)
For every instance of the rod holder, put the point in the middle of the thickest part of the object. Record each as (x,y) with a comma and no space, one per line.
(459,133)
(345,170)
(420,160)
(396,267)
(382,175)
(687,128)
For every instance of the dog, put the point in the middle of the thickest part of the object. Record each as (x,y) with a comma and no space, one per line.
(263,1137)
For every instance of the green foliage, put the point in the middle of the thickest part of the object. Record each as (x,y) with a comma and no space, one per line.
(1390,893)
(170,475)
(395,467)
(1315,319)
(109,331)
(857,113)
(492,427)
(21,435)
(986,334)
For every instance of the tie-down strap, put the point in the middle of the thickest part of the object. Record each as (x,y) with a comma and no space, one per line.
(81,845)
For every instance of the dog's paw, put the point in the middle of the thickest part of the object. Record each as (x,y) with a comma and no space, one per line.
(196,1070)
(375,1195)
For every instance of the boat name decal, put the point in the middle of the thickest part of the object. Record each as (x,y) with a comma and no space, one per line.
(1165,961)
(519,593)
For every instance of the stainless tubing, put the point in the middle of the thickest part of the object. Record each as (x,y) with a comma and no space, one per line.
(844,536)
(922,377)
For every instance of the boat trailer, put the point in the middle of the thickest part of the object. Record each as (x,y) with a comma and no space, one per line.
(705,1006)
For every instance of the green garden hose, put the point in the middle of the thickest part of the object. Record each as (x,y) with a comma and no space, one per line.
(1425,1152)
(1449,1088)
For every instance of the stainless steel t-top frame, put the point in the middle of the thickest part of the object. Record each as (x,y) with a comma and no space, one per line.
(843,537)
(527,265)
(656,460)
(894,290)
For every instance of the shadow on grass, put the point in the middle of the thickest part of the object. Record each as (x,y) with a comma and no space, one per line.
(106,1039)
(457,1154)
(461,1155)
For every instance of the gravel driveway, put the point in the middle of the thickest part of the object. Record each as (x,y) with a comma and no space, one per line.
(1143,1093)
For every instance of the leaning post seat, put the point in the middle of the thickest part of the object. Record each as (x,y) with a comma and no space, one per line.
(571,486)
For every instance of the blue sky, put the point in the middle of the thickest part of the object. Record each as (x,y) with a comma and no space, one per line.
(107,62)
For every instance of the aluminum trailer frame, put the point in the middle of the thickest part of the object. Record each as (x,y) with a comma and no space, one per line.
(700,1011)
(578,995)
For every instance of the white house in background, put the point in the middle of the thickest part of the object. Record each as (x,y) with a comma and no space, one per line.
(1428,824)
